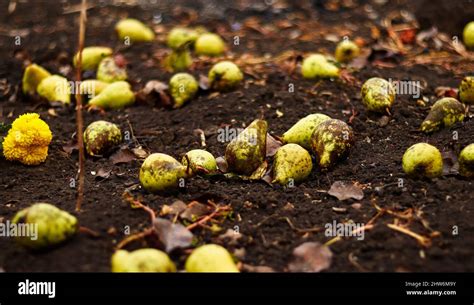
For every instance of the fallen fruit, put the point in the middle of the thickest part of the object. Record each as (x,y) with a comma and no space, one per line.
(225,76)
(179,37)
(317,66)
(27,140)
(422,160)
(115,96)
(142,260)
(466,161)
(109,72)
(134,30)
(466,90)
(209,44)
(100,137)
(331,141)
(378,94)
(160,172)
(468,35)
(301,132)
(200,162)
(92,87)
(210,258)
(178,60)
(246,152)
(183,87)
(92,56)
(53,225)
(444,113)
(32,76)
(346,51)
(55,88)
(292,164)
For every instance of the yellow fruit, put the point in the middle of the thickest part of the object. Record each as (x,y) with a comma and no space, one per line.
(142,260)
(109,72)
(180,37)
(225,76)
(444,113)
(183,87)
(466,161)
(178,60)
(292,164)
(200,162)
(92,56)
(301,132)
(55,88)
(209,44)
(53,225)
(115,96)
(346,51)
(32,76)
(423,160)
(378,94)
(160,172)
(466,90)
(468,35)
(100,137)
(317,66)
(210,258)
(92,87)
(134,30)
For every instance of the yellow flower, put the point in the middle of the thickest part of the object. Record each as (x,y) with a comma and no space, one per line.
(28,139)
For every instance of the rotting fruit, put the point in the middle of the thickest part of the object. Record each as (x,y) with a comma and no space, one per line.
(444,113)
(246,152)
(55,88)
(331,141)
(466,90)
(161,172)
(134,30)
(200,162)
(346,51)
(292,164)
(210,258)
(115,96)
(54,225)
(142,260)
(317,66)
(301,132)
(100,137)
(209,44)
(92,56)
(225,76)
(109,72)
(466,161)
(183,87)
(32,77)
(422,160)
(378,94)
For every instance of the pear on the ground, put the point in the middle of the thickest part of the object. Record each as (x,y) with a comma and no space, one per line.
(318,66)
(422,160)
(161,172)
(466,161)
(225,76)
(109,72)
(92,56)
(100,137)
(443,114)
(466,90)
(346,51)
(115,96)
(200,162)
(179,37)
(133,30)
(209,44)
(292,164)
(142,260)
(32,76)
(55,88)
(92,87)
(468,35)
(183,87)
(378,94)
(301,132)
(210,258)
(178,60)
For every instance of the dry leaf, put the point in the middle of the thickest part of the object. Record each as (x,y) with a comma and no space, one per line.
(194,210)
(123,155)
(345,190)
(172,235)
(310,257)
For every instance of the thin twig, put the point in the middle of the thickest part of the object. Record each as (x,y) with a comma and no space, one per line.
(208,217)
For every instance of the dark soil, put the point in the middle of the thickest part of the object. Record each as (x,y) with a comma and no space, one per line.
(49,38)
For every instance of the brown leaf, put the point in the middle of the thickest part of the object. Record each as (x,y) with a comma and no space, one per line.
(175,208)
(272,145)
(195,210)
(172,235)
(446,92)
(257,269)
(123,155)
(70,146)
(154,93)
(140,153)
(343,190)
(310,257)
(450,163)
(231,237)
(103,173)
(204,82)
(222,164)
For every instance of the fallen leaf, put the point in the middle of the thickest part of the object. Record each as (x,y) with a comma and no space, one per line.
(140,153)
(102,174)
(450,163)
(172,235)
(443,91)
(175,208)
(194,210)
(272,145)
(155,93)
(70,146)
(257,269)
(123,155)
(310,257)
(231,237)
(345,190)
(222,164)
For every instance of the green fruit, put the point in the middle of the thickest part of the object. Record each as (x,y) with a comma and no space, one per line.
(100,137)
(301,132)
(55,88)
(422,160)
(346,51)
(109,72)
(53,225)
(32,76)
(92,87)
(444,113)
(466,161)
(142,260)
(134,31)
(331,141)
(225,76)
(210,258)
(246,152)
(180,37)
(466,90)
(209,44)
(378,94)
(317,66)
(115,96)
(292,163)
(200,161)
(92,56)
(160,172)
(468,35)
(183,87)
(178,60)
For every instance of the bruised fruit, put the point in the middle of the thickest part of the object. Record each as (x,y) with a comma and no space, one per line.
(180,37)
(55,88)
(246,152)
(160,172)
(317,66)
(378,94)
(225,76)
(331,141)
(142,260)
(444,113)
(346,51)
(200,162)
(466,90)
(92,87)
(466,161)
(115,96)
(92,56)
(183,87)
(422,160)
(32,76)
(100,137)
(52,225)
(109,72)
(134,30)
(178,60)
(210,258)
(468,35)
(209,44)
(301,132)
(292,164)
